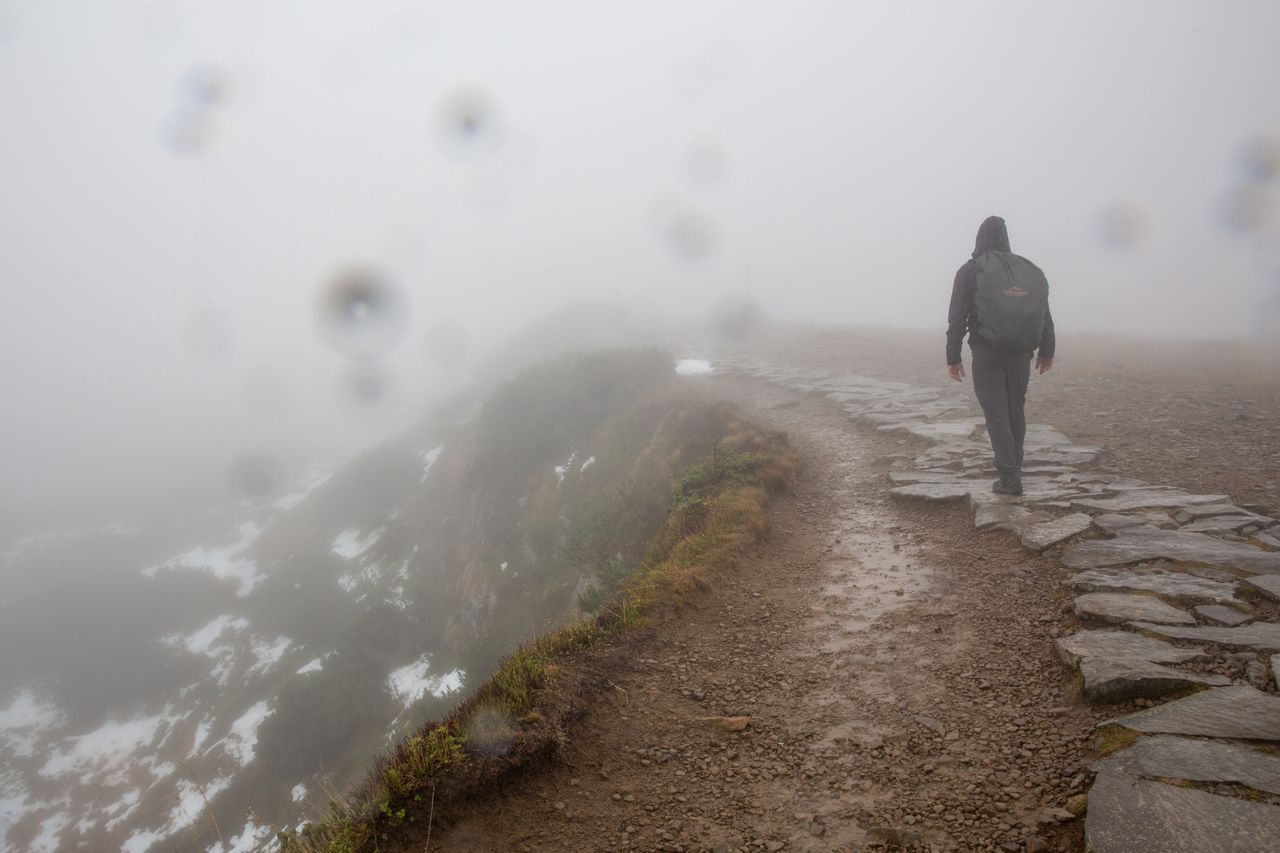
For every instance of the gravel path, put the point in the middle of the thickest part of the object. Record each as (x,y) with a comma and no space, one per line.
(894,665)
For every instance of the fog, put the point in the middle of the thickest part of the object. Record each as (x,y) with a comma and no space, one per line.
(192,190)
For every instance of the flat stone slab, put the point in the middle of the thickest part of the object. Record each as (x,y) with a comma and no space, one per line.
(1129,815)
(1121,645)
(1171,757)
(1147,543)
(1037,537)
(1220,524)
(1158,581)
(1005,516)
(1268,585)
(1222,615)
(1111,522)
(1260,636)
(1154,498)
(1207,510)
(941,492)
(1121,607)
(1108,680)
(1239,712)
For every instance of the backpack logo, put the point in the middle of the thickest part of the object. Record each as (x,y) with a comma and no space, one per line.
(1015,291)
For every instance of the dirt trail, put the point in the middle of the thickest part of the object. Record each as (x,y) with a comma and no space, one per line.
(898,675)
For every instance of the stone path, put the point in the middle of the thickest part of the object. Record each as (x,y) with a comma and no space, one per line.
(1173,575)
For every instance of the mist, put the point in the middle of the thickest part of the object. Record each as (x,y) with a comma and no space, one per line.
(188,186)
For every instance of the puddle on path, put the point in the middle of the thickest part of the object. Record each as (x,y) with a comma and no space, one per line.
(868,576)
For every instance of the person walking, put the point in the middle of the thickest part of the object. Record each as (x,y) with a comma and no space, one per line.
(1001,300)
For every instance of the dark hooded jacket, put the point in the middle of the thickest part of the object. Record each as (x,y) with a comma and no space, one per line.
(962,318)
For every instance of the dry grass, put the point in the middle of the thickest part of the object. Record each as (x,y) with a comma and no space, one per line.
(517,718)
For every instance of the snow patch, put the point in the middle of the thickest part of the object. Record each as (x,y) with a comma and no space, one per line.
(693,367)
(410,683)
(26,718)
(561,470)
(222,562)
(429,458)
(299,792)
(268,654)
(350,544)
(201,642)
(243,737)
(587,464)
(13,802)
(248,841)
(311,666)
(50,828)
(110,750)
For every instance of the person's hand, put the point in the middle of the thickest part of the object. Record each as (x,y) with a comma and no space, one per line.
(1044,365)
(956,371)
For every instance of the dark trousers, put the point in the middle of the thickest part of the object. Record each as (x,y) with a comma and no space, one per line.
(1000,381)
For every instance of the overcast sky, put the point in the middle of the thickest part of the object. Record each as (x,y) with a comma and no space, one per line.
(181,181)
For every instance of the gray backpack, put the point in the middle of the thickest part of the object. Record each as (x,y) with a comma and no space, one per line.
(1012,299)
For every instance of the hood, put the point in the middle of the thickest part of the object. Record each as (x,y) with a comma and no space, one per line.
(993,236)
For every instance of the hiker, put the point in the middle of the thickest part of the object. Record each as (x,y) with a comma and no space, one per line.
(1002,301)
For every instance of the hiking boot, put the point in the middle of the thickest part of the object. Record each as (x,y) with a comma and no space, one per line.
(1007,486)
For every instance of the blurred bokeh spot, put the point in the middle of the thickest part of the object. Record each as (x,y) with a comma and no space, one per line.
(190,132)
(365,383)
(1260,159)
(202,94)
(361,313)
(468,122)
(1244,209)
(1122,225)
(491,730)
(448,344)
(205,87)
(689,234)
(252,474)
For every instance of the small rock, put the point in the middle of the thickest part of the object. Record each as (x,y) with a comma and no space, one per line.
(728,724)
(1053,815)
(1078,804)
(1255,672)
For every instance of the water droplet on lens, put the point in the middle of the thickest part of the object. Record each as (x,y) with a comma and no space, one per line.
(447,344)
(1244,209)
(205,87)
(252,474)
(189,132)
(1121,225)
(468,123)
(1260,159)
(491,730)
(361,312)
(365,383)
(690,234)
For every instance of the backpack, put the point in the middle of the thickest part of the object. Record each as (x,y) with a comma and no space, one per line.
(1011,300)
